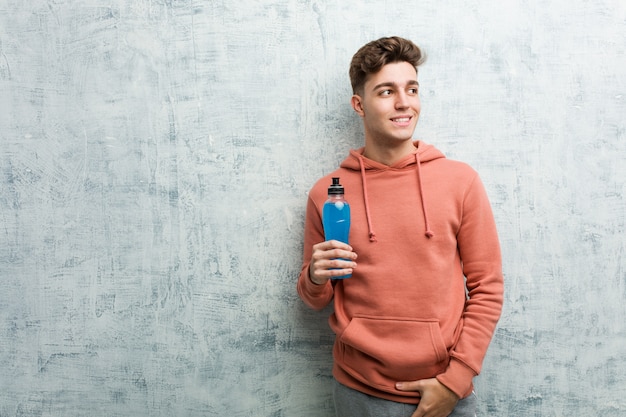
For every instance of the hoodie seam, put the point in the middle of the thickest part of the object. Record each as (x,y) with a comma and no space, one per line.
(466,193)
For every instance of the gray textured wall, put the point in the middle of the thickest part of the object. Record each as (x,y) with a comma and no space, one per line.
(155,159)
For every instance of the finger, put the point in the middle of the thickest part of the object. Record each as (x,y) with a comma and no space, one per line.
(413,386)
(340,254)
(332,268)
(338,267)
(338,262)
(336,244)
(334,258)
(339,272)
(418,412)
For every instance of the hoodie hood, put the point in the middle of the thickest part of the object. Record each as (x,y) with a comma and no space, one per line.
(422,153)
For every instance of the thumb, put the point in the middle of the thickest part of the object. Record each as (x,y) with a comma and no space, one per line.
(415,386)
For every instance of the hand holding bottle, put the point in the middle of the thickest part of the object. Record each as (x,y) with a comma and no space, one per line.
(330,260)
(336,218)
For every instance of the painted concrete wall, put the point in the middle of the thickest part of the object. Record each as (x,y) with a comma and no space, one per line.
(154,163)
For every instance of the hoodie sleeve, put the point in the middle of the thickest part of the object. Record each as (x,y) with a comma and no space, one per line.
(313,295)
(479,249)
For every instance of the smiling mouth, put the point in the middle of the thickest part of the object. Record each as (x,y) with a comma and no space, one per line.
(402,121)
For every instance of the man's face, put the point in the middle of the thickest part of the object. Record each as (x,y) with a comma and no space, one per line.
(389,104)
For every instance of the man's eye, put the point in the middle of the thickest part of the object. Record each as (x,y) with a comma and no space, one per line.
(385,93)
(413,91)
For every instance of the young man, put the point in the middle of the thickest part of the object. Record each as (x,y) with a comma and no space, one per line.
(414,321)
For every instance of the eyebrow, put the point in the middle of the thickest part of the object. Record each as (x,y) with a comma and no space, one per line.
(392,84)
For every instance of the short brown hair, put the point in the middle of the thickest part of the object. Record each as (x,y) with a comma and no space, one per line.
(376,54)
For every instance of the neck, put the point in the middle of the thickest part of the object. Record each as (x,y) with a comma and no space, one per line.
(388,155)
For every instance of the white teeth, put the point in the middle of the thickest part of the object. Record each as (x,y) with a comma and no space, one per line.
(402,120)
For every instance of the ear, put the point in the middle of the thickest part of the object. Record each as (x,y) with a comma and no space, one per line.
(357,104)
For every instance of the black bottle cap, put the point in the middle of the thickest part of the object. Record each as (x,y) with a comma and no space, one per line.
(335,187)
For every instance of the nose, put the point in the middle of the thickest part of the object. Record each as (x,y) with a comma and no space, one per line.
(402,100)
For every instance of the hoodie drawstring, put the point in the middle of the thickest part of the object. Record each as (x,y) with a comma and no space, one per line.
(428,232)
(372,235)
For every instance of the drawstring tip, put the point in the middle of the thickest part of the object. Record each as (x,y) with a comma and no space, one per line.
(373,237)
(429,234)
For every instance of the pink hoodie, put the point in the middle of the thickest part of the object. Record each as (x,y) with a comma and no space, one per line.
(423,230)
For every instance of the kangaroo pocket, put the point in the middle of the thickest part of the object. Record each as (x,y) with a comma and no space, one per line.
(381,351)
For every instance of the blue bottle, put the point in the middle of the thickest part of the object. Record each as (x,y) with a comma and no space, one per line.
(336,216)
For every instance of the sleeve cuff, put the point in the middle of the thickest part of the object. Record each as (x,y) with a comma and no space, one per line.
(314,295)
(458,378)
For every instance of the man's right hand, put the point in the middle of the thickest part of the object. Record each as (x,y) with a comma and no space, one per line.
(331,259)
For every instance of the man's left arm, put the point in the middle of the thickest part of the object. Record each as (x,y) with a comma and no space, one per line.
(479,249)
